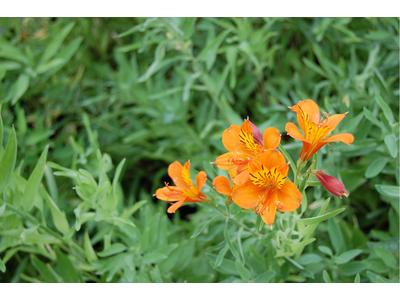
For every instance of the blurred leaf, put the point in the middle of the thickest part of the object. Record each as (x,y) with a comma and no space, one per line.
(319,219)
(391,143)
(65,268)
(387,257)
(335,236)
(113,249)
(376,167)
(19,88)
(154,257)
(34,182)
(265,277)
(347,256)
(7,162)
(326,277)
(385,108)
(388,190)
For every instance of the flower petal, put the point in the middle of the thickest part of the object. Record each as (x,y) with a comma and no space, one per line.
(247,195)
(289,196)
(346,138)
(231,161)
(175,206)
(272,138)
(311,109)
(268,215)
(333,121)
(271,158)
(175,172)
(256,134)
(201,178)
(294,132)
(231,140)
(170,193)
(242,177)
(222,185)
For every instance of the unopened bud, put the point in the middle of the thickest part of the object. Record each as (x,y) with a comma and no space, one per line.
(332,184)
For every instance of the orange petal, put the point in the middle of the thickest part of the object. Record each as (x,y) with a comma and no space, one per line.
(311,109)
(283,169)
(247,195)
(346,138)
(242,177)
(271,137)
(201,180)
(186,175)
(268,215)
(271,158)
(222,185)
(231,161)
(289,196)
(175,172)
(294,132)
(170,193)
(333,121)
(231,140)
(175,206)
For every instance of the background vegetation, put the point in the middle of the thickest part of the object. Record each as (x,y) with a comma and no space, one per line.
(109,103)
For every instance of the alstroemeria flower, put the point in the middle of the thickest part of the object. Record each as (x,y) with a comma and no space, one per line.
(332,184)
(244,144)
(184,191)
(316,130)
(267,190)
(223,185)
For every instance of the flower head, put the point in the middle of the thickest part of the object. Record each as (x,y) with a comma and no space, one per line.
(332,184)
(245,143)
(267,190)
(184,191)
(315,128)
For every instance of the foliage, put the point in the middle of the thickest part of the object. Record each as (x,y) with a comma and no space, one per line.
(101,107)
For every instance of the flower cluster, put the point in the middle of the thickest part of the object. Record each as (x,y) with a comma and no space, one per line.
(257,170)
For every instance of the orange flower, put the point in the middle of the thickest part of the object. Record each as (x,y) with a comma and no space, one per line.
(223,185)
(316,130)
(267,190)
(184,191)
(244,144)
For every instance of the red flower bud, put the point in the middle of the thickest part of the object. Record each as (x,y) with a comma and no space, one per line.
(332,184)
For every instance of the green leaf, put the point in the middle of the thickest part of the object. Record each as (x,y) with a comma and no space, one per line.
(202,226)
(309,258)
(66,268)
(265,277)
(43,270)
(352,268)
(154,257)
(326,277)
(1,133)
(391,191)
(19,88)
(87,245)
(55,44)
(325,250)
(231,247)
(10,51)
(385,108)
(357,278)
(319,219)
(113,249)
(2,266)
(370,116)
(387,257)
(209,53)
(347,256)
(335,235)
(7,162)
(59,219)
(376,167)
(243,271)
(391,143)
(34,181)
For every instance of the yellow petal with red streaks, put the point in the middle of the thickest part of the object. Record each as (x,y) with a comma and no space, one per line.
(247,195)
(346,138)
(271,158)
(222,185)
(271,137)
(231,140)
(289,196)
(294,132)
(311,109)
(201,180)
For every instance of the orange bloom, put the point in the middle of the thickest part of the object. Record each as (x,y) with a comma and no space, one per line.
(316,130)
(244,144)
(184,191)
(222,185)
(267,190)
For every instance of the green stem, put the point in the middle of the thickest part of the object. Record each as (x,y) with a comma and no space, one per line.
(292,164)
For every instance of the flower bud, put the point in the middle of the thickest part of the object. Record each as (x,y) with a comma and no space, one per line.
(332,184)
